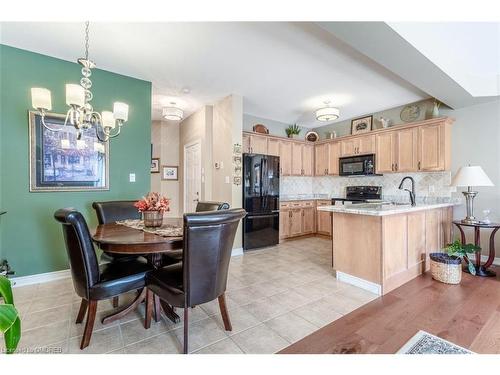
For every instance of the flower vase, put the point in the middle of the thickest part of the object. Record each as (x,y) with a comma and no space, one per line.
(152,219)
(435,110)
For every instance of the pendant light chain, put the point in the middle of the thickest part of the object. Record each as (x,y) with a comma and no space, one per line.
(87,40)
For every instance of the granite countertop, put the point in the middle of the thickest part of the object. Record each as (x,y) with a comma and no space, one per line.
(375,209)
(304,197)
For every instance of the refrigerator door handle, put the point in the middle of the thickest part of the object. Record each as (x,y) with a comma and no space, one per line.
(261,216)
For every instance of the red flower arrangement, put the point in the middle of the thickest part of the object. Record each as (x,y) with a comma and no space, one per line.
(153,202)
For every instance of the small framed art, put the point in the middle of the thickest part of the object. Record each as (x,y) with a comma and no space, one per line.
(169,173)
(155,165)
(362,125)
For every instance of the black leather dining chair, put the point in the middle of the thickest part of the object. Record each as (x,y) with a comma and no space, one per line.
(174,256)
(203,206)
(202,275)
(110,212)
(93,282)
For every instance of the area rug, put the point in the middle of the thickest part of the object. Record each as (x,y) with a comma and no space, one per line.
(425,343)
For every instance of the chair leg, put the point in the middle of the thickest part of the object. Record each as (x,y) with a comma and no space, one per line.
(115,301)
(149,308)
(224,312)
(89,325)
(82,311)
(186,329)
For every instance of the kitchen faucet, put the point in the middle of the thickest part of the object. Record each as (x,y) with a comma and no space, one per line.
(412,191)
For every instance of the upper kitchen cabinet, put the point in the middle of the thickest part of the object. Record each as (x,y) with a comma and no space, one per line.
(434,147)
(396,151)
(302,159)
(255,144)
(385,152)
(273,147)
(359,145)
(286,158)
(326,159)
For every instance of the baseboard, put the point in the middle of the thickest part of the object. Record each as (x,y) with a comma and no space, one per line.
(40,278)
(360,283)
(237,252)
(484,258)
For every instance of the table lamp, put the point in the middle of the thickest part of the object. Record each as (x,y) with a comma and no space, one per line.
(471,176)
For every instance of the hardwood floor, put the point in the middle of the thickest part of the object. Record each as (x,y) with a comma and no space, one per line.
(467,315)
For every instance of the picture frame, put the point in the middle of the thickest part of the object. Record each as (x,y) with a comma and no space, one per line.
(155,165)
(362,125)
(170,173)
(58,161)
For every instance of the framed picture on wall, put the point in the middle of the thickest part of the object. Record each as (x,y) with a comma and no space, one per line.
(61,162)
(155,165)
(169,173)
(362,125)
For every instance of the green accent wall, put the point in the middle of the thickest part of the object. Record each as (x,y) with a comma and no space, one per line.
(30,238)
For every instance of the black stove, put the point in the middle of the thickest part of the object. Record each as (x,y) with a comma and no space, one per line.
(360,194)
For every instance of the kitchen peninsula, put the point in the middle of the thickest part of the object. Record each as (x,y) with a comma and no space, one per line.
(379,247)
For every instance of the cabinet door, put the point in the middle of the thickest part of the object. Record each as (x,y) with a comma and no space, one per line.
(431,148)
(320,159)
(296,159)
(348,147)
(323,219)
(286,158)
(416,238)
(308,220)
(366,144)
(307,160)
(258,144)
(273,147)
(284,223)
(385,152)
(333,158)
(246,144)
(406,150)
(296,222)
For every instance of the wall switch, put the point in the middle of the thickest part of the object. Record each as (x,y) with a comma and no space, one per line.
(131,177)
(228,180)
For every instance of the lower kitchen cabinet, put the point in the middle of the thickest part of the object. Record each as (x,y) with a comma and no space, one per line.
(297,218)
(323,219)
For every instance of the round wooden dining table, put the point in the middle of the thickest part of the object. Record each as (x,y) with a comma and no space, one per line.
(120,239)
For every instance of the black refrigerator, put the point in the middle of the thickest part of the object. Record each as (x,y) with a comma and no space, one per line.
(261,191)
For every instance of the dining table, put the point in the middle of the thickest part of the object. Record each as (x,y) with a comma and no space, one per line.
(118,238)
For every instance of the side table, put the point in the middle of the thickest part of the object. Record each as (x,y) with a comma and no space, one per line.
(481,269)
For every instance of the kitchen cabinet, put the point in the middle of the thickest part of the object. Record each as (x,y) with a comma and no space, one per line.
(323,219)
(297,218)
(296,159)
(357,146)
(254,144)
(326,159)
(302,159)
(273,147)
(286,158)
(434,144)
(397,151)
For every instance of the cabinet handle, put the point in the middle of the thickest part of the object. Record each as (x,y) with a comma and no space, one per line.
(396,166)
(392,167)
(418,165)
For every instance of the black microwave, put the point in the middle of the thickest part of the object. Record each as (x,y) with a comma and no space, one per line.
(363,165)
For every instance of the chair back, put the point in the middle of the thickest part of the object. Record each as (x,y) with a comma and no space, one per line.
(82,257)
(208,243)
(111,211)
(204,206)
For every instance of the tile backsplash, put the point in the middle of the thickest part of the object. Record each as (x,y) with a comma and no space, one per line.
(427,185)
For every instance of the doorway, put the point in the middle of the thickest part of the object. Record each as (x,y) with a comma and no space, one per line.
(192,176)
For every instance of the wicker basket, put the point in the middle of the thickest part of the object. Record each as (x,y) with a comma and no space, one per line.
(445,268)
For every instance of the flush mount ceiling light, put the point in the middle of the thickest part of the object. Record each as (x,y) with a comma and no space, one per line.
(173,113)
(327,113)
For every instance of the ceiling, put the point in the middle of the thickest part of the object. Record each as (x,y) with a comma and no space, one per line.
(284,71)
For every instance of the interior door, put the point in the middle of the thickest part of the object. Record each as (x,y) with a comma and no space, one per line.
(192,176)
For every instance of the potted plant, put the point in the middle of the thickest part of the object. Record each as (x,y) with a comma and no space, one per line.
(292,130)
(152,207)
(10,323)
(447,266)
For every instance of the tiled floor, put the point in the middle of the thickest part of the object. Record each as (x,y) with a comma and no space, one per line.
(275,296)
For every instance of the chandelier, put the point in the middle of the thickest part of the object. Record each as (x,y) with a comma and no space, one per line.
(327,113)
(81,114)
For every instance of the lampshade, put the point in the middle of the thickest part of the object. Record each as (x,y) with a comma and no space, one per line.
(471,176)
(120,111)
(75,95)
(173,113)
(327,114)
(40,98)
(108,119)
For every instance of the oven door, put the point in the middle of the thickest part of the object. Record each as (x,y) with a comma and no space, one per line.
(357,165)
